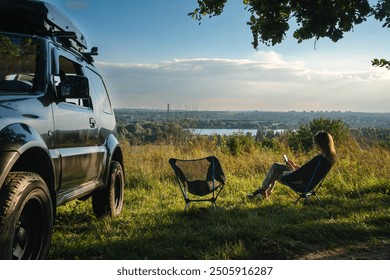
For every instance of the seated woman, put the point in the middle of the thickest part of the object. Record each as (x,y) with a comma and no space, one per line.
(323,140)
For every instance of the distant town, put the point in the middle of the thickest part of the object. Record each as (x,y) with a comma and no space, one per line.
(250,119)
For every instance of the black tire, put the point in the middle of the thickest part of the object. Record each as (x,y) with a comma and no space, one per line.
(26,217)
(109,201)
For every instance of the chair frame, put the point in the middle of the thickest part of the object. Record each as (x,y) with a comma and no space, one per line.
(307,195)
(184,187)
(308,192)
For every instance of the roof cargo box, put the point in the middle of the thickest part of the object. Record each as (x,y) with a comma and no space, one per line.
(40,18)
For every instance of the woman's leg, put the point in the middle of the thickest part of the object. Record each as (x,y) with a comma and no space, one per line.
(274,174)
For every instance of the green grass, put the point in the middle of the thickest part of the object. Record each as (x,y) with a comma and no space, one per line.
(353,223)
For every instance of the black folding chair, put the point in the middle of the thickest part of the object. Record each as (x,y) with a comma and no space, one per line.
(199,178)
(306,180)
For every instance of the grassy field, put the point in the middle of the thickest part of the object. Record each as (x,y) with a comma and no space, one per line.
(354,222)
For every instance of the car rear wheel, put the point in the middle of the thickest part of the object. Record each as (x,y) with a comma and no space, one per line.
(26,217)
(109,201)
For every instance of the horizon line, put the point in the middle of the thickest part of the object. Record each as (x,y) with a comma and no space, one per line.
(252,110)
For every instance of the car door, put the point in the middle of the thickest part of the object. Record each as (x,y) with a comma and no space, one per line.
(76,133)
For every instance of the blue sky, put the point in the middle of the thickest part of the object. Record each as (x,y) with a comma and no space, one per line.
(152,54)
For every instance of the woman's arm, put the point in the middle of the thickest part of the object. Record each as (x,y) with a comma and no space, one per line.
(293,164)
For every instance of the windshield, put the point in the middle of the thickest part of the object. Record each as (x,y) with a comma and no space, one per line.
(18,56)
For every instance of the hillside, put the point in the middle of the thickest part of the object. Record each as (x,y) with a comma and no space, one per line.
(354,222)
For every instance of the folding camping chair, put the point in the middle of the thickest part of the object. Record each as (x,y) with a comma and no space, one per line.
(199,178)
(306,180)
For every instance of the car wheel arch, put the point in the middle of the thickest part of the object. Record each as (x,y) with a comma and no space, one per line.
(26,143)
(45,167)
(114,153)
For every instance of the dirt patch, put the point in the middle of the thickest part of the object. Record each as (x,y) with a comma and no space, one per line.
(361,251)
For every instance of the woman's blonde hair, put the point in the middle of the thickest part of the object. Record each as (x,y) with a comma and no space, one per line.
(325,141)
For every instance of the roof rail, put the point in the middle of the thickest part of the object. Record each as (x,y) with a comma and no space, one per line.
(40,18)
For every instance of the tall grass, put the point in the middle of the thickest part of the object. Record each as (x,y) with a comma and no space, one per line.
(353,223)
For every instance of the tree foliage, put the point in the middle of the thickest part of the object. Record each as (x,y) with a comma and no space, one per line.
(381,12)
(269,20)
(381,63)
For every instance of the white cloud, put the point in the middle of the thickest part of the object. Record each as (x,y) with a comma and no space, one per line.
(265,82)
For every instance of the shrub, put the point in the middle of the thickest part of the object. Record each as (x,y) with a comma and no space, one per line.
(302,139)
(271,144)
(238,143)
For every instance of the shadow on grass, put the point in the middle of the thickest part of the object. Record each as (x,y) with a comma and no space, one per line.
(249,230)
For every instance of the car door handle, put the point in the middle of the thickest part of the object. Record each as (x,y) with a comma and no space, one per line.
(92,122)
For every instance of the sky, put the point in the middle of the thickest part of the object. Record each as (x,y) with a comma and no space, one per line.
(151,53)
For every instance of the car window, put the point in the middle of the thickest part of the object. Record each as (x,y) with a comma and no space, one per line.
(18,56)
(99,92)
(68,67)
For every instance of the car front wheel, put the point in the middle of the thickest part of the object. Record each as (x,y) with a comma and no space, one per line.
(26,217)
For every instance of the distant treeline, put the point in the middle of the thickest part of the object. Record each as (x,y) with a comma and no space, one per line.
(371,136)
(177,133)
(139,133)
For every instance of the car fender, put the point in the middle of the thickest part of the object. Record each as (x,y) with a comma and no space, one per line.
(15,140)
(114,152)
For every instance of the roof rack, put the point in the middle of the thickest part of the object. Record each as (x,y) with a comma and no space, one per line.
(40,18)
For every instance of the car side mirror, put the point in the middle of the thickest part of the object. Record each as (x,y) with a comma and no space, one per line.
(74,87)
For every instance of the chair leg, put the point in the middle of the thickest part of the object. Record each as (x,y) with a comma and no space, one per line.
(308,201)
(187,201)
(307,198)
(318,199)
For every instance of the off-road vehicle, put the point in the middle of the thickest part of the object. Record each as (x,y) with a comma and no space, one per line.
(57,127)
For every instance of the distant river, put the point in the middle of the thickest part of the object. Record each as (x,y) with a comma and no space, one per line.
(226,131)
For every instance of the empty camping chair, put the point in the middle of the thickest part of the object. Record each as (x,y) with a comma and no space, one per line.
(306,180)
(199,178)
